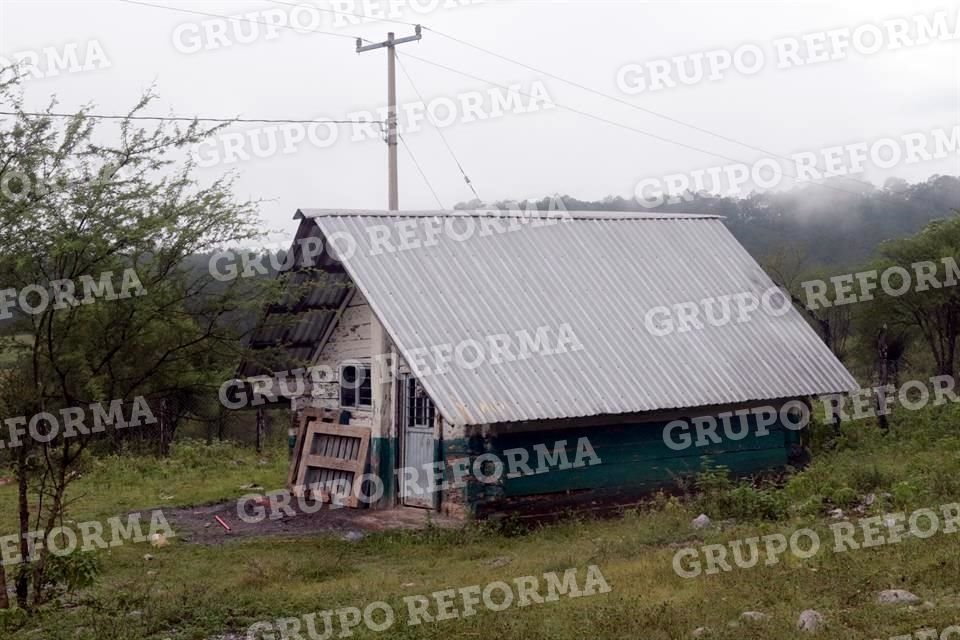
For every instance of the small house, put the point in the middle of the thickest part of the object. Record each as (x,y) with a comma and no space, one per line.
(476,363)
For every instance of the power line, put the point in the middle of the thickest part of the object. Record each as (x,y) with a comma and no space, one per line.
(603,94)
(584,113)
(463,73)
(422,174)
(99,116)
(594,91)
(244,19)
(346,13)
(490,82)
(593,116)
(438,130)
(575,110)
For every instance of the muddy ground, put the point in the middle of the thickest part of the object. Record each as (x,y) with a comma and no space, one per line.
(199,524)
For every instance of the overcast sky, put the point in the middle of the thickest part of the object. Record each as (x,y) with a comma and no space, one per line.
(854,98)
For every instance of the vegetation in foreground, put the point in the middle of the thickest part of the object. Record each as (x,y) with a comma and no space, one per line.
(192,591)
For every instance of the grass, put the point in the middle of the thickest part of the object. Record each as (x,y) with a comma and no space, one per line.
(195,592)
(195,474)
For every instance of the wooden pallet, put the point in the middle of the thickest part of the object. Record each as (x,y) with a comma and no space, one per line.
(329,459)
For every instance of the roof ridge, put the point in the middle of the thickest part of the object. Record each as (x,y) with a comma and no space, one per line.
(504,213)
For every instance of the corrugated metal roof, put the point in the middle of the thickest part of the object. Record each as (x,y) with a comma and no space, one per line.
(506,213)
(598,273)
(307,308)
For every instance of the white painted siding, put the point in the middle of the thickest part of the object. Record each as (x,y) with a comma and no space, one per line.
(350,341)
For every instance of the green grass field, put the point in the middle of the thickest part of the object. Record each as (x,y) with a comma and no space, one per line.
(197,592)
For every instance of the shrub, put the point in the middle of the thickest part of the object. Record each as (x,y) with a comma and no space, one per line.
(905,494)
(72,572)
(845,497)
(748,503)
(870,478)
(13,619)
(721,497)
(713,478)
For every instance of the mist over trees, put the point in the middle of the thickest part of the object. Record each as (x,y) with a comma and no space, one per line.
(839,223)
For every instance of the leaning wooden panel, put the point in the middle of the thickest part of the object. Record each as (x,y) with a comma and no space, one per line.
(297,449)
(307,416)
(342,455)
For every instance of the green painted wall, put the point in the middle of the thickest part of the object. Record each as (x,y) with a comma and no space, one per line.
(635,456)
(383,453)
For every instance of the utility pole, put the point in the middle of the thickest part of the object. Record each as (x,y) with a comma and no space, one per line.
(383,372)
(390,43)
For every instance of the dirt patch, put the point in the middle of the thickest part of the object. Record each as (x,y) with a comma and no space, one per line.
(199,524)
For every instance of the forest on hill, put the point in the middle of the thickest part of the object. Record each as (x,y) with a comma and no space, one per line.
(839,223)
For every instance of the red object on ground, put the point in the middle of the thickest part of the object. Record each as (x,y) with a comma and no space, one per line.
(222,523)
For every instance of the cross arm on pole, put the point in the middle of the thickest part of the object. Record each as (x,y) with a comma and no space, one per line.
(393,181)
(388,43)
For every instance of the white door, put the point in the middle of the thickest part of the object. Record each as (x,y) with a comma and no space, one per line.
(417,447)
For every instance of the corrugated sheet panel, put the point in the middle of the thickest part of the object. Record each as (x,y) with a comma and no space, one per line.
(597,273)
(309,300)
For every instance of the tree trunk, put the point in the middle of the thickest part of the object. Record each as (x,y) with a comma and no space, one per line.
(40,563)
(944,345)
(883,359)
(164,427)
(945,368)
(836,424)
(260,428)
(951,354)
(825,332)
(4,599)
(23,577)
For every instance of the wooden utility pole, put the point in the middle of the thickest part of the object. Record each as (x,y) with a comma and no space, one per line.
(390,43)
(382,372)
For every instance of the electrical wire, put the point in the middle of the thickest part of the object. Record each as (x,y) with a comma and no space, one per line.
(422,174)
(572,83)
(463,73)
(100,116)
(632,105)
(439,130)
(244,19)
(593,116)
(345,13)
(581,112)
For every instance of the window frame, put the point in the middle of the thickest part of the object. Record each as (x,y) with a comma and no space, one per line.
(355,389)
(428,409)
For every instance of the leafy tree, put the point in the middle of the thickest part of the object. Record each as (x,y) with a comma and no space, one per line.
(101,222)
(929,308)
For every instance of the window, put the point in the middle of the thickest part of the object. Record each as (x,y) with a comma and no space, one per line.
(420,410)
(356,389)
